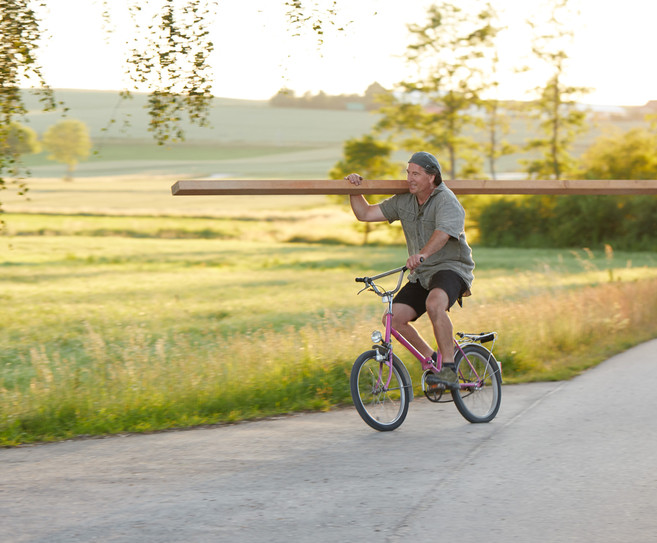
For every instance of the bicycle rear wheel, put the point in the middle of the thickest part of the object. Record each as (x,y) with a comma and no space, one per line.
(480,394)
(383,408)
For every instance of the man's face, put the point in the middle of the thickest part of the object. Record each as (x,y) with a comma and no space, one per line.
(419,181)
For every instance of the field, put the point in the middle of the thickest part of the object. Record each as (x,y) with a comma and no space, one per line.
(245,139)
(114,324)
(128,310)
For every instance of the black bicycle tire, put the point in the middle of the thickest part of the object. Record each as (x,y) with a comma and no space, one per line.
(358,401)
(496,377)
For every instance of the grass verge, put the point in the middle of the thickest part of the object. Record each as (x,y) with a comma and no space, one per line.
(104,335)
(152,383)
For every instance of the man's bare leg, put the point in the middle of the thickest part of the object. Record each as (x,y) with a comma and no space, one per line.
(402,315)
(437,303)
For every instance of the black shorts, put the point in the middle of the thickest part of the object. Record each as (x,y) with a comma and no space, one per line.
(415,295)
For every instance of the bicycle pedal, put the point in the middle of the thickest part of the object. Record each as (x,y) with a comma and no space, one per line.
(434,392)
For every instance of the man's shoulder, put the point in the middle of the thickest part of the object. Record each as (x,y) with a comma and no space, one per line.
(397,200)
(443,195)
(443,191)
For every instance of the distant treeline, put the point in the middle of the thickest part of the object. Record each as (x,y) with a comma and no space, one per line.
(366,102)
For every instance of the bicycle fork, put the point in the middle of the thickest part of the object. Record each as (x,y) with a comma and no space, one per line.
(383,347)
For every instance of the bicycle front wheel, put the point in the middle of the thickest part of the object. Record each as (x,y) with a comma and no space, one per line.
(480,393)
(381,403)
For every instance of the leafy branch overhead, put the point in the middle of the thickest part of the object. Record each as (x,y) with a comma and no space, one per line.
(168,57)
(19,41)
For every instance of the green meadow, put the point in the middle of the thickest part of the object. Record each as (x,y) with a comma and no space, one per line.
(245,139)
(141,323)
(125,309)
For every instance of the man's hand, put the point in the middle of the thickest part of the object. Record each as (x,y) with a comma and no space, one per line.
(354,179)
(414,261)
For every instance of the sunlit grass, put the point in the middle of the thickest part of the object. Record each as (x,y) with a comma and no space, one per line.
(108,333)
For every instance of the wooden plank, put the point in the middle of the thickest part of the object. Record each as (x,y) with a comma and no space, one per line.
(221,187)
(280,186)
(553,186)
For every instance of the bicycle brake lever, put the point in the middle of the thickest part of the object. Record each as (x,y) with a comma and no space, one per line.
(363,289)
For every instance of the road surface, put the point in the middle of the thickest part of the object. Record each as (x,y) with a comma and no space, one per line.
(562,462)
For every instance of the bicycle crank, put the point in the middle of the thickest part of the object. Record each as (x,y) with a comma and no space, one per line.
(434,392)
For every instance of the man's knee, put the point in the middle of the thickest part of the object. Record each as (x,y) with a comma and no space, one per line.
(437,303)
(401,315)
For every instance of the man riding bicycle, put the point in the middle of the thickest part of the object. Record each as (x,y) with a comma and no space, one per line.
(433,221)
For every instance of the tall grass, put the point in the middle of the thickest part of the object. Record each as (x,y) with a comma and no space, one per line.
(115,334)
(151,383)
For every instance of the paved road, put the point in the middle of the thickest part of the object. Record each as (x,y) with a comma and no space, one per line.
(562,462)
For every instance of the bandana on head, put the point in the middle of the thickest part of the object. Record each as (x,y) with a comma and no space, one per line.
(427,161)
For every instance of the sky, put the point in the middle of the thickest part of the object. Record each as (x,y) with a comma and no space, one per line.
(256,54)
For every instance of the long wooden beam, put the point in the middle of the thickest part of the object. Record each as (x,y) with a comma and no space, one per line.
(522,186)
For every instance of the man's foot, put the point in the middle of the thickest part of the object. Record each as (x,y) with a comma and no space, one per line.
(447,376)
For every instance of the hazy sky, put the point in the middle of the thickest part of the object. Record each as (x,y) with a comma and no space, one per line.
(255,54)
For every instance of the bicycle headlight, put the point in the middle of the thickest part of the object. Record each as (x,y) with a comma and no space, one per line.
(376,336)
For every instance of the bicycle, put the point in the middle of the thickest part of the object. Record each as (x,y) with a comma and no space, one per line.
(381,386)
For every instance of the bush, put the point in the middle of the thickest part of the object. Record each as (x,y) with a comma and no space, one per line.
(513,222)
(624,222)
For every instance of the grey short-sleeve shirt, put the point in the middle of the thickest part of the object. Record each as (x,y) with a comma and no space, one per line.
(442,211)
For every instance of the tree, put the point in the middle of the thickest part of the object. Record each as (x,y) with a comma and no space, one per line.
(21,140)
(68,141)
(626,222)
(171,50)
(19,40)
(372,159)
(447,50)
(497,126)
(556,109)
(169,58)
(496,122)
(621,155)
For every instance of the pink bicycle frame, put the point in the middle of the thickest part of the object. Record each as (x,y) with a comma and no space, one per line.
(426,362)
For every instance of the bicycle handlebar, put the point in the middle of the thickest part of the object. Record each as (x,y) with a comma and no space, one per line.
(381,275)
(370,280)
(384,274)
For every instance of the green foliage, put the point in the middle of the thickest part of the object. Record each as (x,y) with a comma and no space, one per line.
(19,42)
(623,222)
(21,140)
(370,158)
(560,122)
(497,126)
(621,155)
(627,222)
(68,141)
(447,51)
(170,60)
(556,108)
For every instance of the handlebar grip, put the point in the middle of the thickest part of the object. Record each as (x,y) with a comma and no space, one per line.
(360,279)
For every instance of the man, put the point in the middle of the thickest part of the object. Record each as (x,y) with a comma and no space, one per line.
(439,258)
